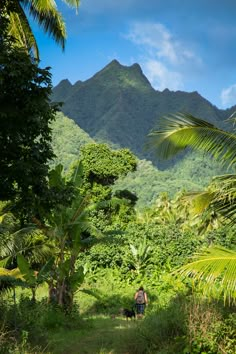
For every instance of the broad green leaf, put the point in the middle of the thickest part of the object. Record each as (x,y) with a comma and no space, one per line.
(76,279)
(24,267)
(55,177)
(45,270)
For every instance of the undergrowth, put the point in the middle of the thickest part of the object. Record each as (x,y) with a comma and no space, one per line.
(175,322)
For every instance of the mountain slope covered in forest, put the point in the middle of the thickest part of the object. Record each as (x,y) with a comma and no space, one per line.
(193,172)
(118,105)
(67,139)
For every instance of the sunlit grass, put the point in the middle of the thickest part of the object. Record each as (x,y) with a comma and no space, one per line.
(99,335)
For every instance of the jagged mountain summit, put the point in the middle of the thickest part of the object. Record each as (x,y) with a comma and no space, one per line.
(118,105)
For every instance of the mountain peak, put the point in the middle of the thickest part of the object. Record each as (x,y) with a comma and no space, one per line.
(137,67)
(64,83)
(62,90)
(117,74)
(114,62)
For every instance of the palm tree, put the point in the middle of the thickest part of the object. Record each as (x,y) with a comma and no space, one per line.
(27,243)
(215,267)
(45,13)
(181,131)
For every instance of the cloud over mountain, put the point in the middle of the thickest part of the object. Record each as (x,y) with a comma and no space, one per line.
(165,59)
(228,96)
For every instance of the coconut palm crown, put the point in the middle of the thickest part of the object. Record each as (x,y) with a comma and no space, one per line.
(45,13)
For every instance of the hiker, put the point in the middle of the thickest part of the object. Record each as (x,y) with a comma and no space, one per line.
(141,301)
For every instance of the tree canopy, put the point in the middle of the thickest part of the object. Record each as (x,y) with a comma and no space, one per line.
(25,134)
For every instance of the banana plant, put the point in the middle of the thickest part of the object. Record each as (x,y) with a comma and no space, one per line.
(140,256)
(66,227)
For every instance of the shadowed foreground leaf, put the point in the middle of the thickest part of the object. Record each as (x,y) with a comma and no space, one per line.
(179,131)
(215,267)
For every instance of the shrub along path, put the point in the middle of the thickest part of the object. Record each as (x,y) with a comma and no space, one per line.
(100,335)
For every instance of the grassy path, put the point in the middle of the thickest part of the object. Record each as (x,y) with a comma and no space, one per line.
(99,335)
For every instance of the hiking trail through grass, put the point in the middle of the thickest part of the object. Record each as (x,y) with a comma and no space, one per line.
(98,335)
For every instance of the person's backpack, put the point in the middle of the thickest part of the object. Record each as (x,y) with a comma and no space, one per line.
(140,298)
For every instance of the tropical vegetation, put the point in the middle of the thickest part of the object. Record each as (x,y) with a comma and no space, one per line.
(75,245)
(179,132)
(25,118)
(44,13)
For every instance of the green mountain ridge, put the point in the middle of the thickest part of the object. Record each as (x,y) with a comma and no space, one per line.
(118,105)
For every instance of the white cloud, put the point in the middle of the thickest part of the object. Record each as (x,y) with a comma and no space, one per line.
(165,59)
(228,96)
(160,42)
(160,77)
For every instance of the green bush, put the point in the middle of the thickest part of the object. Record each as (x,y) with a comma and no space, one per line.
(211,328)
(185,326)
(164,326)
(226,335)
(28,322)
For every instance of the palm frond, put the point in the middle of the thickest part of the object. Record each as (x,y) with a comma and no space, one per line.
(219,198)
(27,241)
(179,131)
(72,3)
(224,201)
(8,283)
(198,201)
(216,267)
(20,29)
(46,14)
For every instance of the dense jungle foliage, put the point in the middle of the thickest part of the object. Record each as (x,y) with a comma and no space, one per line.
(83,225)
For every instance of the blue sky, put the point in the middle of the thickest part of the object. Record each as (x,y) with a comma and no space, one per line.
(187,45)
